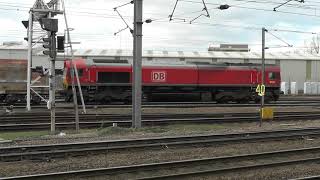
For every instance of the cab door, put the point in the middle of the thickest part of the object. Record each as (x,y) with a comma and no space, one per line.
(254,77)
(93,74)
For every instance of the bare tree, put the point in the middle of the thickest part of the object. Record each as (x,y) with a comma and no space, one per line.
(313,46)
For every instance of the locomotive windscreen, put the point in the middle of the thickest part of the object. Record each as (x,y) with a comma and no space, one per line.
(113,77)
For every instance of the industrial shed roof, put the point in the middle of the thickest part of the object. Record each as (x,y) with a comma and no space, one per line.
(194,54)
(178,54)
(13,47)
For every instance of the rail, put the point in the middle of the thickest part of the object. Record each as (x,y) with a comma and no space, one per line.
(44,152)
(34,122)
(205,166)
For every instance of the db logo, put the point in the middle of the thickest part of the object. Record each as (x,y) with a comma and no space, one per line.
(159,76)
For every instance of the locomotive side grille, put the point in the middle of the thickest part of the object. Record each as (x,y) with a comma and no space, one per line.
(113,77)
(118,61)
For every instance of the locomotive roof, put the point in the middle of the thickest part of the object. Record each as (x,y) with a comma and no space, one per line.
(124,62)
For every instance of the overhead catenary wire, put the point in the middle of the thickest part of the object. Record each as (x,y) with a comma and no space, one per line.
(173,11)
(293,5)
(288,45)
(204,9)
(283,4)
(123,20)
(235,6)
(256,8)
(24,5)
(201,24)
(221,25)
(317,4)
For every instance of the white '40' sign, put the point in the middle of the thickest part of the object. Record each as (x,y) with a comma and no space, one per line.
(261,89)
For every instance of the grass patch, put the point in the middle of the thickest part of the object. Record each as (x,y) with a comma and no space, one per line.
(196,127)
(18,135)
(119,131)
(115,131)
(155,129)
(126,131)
(171,129)
(74,132)
(38,134)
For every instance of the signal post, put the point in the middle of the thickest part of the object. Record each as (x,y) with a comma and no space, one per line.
(51,25)
(30,33)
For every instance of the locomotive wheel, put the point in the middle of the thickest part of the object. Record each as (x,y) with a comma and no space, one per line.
(36,100)
(257,100)
(206,97)
(127,101)
(146,98)
(243,101)
(10,100)
(67,98)
(106,100)
(267,99)
(222,100)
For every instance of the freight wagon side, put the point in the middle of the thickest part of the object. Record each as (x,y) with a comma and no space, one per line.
(13,79)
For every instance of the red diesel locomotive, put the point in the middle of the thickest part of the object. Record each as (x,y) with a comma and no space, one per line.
(110,80)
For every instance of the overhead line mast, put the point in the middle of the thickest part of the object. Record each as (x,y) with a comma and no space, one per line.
(137,64)
(137,59)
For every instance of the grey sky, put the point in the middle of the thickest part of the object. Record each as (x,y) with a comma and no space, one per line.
(95,22)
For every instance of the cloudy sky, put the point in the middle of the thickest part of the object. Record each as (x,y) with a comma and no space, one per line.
(95,23)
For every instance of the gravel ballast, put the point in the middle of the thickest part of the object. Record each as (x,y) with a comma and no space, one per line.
(121,158)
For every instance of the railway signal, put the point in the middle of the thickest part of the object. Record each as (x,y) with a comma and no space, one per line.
(50,46)
(50,25)
(60,43)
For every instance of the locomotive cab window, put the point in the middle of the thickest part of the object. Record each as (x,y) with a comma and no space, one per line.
(272,76)
(80,72)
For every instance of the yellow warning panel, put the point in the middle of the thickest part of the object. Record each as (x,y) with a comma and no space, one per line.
(267,113)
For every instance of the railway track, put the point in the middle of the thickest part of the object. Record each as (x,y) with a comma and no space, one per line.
(281,103)
(233,164)
(42,122)
(307,178)
(48,151)
(186,168)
